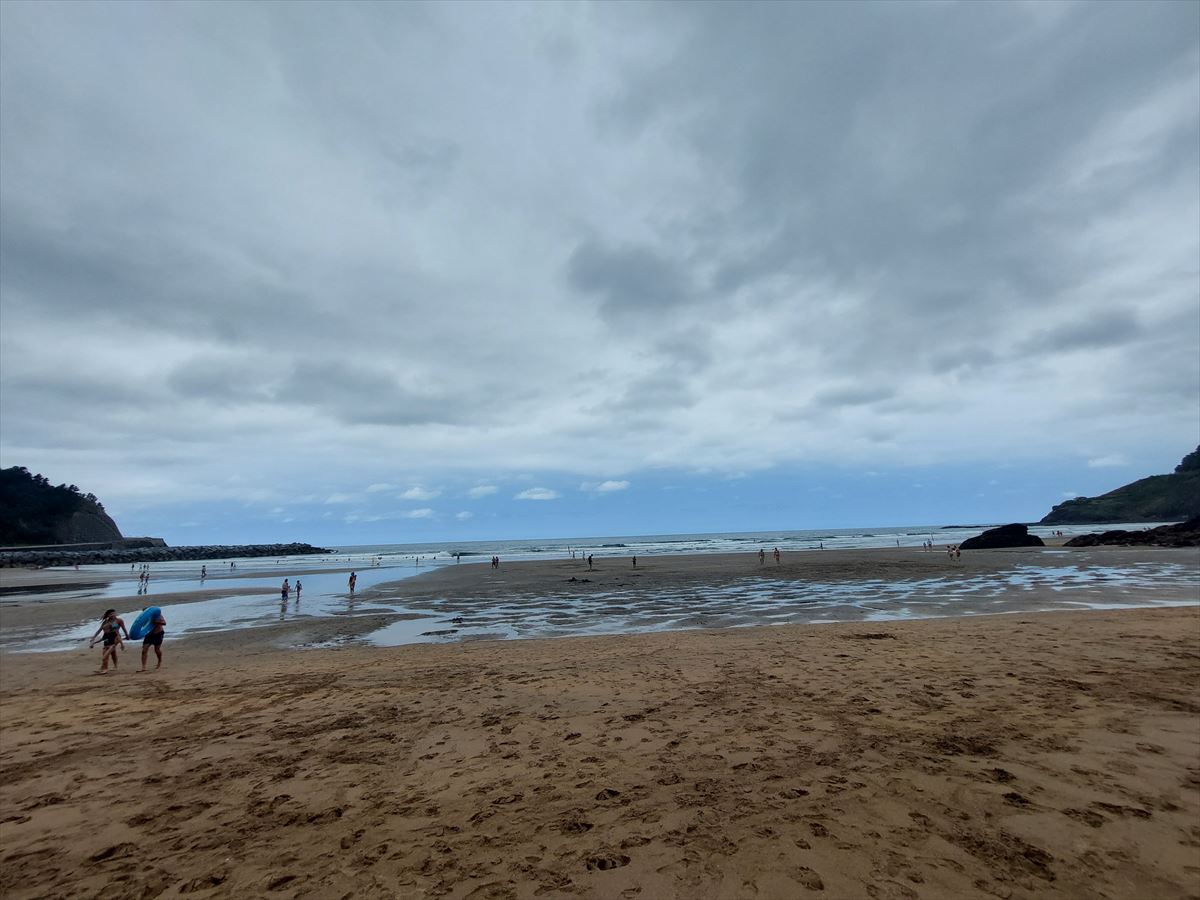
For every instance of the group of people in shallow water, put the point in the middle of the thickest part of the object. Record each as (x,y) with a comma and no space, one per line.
(111,629)
(286,589)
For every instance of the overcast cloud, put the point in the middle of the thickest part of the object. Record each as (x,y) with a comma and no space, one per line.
(453,254)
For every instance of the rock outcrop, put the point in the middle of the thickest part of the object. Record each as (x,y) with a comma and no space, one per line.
(1185,534)
(1159,498)
(1014,535)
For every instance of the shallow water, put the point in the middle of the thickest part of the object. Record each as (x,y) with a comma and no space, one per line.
(754,601)
(324,595)
(745,602)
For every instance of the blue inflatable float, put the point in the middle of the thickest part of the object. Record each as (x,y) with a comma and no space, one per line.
(144,622)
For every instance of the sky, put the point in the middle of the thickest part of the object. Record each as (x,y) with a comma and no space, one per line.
(355,273)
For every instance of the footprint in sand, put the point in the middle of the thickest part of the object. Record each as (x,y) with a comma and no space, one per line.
(808,878)
(607,861)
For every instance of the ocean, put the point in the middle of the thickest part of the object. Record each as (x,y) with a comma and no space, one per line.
(724,542)
(248,596)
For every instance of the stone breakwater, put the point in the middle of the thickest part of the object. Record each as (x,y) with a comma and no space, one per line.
(43,557)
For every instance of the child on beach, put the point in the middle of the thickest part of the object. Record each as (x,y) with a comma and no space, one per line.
(110,628)
(154,639)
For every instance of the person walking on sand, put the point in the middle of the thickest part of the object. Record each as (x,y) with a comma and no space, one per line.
(158,628)
(110,628)
(762,556)
(776,556)
(589,562)
(635,562)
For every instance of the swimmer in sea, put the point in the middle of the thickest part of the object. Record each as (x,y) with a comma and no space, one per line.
(110,628)
(154,639)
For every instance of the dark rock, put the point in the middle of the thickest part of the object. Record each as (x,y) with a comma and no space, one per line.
(1014,535)
(1185,534)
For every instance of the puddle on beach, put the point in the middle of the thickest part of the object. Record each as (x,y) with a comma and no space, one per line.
(324,595)
(750,601)
(758,602)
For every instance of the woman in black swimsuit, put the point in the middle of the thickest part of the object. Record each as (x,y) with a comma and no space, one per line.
(110,627)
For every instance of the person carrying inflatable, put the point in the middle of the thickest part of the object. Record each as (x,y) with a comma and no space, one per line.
(154,638)
(110,627)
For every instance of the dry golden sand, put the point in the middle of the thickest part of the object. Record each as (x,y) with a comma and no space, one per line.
(1031,756)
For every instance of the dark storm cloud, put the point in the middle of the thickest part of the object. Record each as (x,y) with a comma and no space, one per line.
(852,395)
(655,393)
(628,278)
(220,379)
(1104,328)
(360,394)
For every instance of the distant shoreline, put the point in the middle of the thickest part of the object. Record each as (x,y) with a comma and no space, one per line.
(44,557)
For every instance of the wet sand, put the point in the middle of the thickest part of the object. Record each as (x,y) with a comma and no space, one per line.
(1032,756)
(654,574)
(557,598)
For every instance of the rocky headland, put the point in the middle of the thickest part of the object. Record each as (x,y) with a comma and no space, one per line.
(1159,498)
(42,524)
(34,511)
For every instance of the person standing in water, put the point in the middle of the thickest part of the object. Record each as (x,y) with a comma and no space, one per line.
(762,556)
(110,628)
(285,590)
(299,586)
(353,581)
(158,628)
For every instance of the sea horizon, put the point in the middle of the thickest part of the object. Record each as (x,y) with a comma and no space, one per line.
(855,538)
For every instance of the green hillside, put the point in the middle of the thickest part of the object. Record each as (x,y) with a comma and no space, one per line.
(1159,498)
(34,511)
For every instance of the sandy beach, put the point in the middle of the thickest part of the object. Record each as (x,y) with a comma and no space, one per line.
(1042,755)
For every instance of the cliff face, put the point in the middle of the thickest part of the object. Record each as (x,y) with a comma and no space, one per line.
(85,526)
(1159,498)
(33,511)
